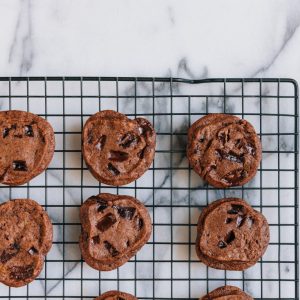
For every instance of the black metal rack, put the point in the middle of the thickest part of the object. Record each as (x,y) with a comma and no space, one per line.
(167,267)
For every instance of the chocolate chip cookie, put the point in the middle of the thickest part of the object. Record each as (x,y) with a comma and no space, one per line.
(25,239)
(117,150)
(27,146)
(224,150)
(231,235)
(115,295)
(227,292)
(114,228)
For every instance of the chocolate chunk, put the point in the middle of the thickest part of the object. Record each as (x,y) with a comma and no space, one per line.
(128,140)
(5,132)
(90,137)
(234,158)
(20,165)
(9,253)
(20,272)
(250,149)
(125,212)
(235,209)
(224,137)
(96,240)
(145,128)
(6,256)
(106,222)
(42,139)
(240,220)
(230,237)
(111,249)
(250,222)
(102,204)
(222,245)
(33,251)
(238,143)
(228,220)
(202,138)
(101,142)
(235,176)
(229,156)
(140,223)
(29,131)
(118,156)
(113,169)
(141,154)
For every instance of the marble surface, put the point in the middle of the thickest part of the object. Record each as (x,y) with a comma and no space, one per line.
(194,40)
(146,38)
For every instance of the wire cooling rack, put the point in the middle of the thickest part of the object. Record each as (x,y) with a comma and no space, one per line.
(167,267)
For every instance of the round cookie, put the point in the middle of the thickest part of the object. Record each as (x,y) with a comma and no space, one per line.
(114,228)
(27,146)
(227,292)
(115,295)
(231,235)
(117,150)
(224,150)
(25,239)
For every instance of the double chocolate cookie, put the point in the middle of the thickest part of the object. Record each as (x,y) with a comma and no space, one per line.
(231,235)
(227,292)
(117,150)
(224,150)
(115,295)
(27,146)
(114,228)
(25,239)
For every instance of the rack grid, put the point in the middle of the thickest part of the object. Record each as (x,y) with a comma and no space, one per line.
(167,266)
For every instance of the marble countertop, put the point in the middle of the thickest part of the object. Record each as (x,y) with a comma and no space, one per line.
(193,39)
(146,38)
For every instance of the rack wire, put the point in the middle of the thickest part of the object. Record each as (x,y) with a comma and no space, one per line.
(167,266)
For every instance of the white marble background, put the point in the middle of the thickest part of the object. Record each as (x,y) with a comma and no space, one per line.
(193,39)
(190,39)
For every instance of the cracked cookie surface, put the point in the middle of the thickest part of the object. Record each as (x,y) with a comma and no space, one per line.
(231,235)
(27,146)
(25,239)
(114,228)
(224,150)
(115,295)
(116,149)
(227,292)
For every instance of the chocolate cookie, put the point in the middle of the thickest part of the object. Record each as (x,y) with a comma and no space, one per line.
(114,228)
(224,150)
(231,235)
(115,295)
(25,239)
(227,292)
(27,146)
(117,150)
